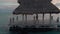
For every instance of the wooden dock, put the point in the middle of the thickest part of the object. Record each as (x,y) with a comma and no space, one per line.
(37,23)
(25,26)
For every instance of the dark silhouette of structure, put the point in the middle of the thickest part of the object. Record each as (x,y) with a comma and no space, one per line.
(30,7)
(27,7)
(35,7)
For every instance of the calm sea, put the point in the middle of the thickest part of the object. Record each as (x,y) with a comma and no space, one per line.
(4,21)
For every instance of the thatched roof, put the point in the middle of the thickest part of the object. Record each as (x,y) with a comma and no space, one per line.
(33,7)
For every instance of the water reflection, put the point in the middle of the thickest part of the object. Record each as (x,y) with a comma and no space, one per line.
(14,32)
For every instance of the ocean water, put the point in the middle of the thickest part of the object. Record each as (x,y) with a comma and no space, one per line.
(4,27)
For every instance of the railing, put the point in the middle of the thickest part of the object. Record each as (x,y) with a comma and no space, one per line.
(34,22)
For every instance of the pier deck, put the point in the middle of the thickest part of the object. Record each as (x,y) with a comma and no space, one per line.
(34,26)
(37,23)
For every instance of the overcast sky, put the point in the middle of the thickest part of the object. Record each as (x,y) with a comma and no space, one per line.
(15,1)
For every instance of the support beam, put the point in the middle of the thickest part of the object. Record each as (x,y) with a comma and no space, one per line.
(36,19)
(50,18)
(25,22)
(36,16)
(22,17)
(25,17)
(13,19)
(43,19)
(17,18)
(10,22)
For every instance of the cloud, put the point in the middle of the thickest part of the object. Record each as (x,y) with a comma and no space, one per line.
(14,2)
(9,3)
(58,5)
(7,8)
(55,1)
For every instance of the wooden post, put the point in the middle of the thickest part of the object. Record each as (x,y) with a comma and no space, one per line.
(17,18)
(10,21)
(13,19)
(50,19)
(43,19)
(26,17)
(36,18)
(22,17)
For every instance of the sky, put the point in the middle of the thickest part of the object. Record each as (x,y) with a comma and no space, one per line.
(12,4)
(15,1)
(56,1)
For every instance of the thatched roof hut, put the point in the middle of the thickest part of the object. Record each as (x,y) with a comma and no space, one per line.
(28,7)
(35,7)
